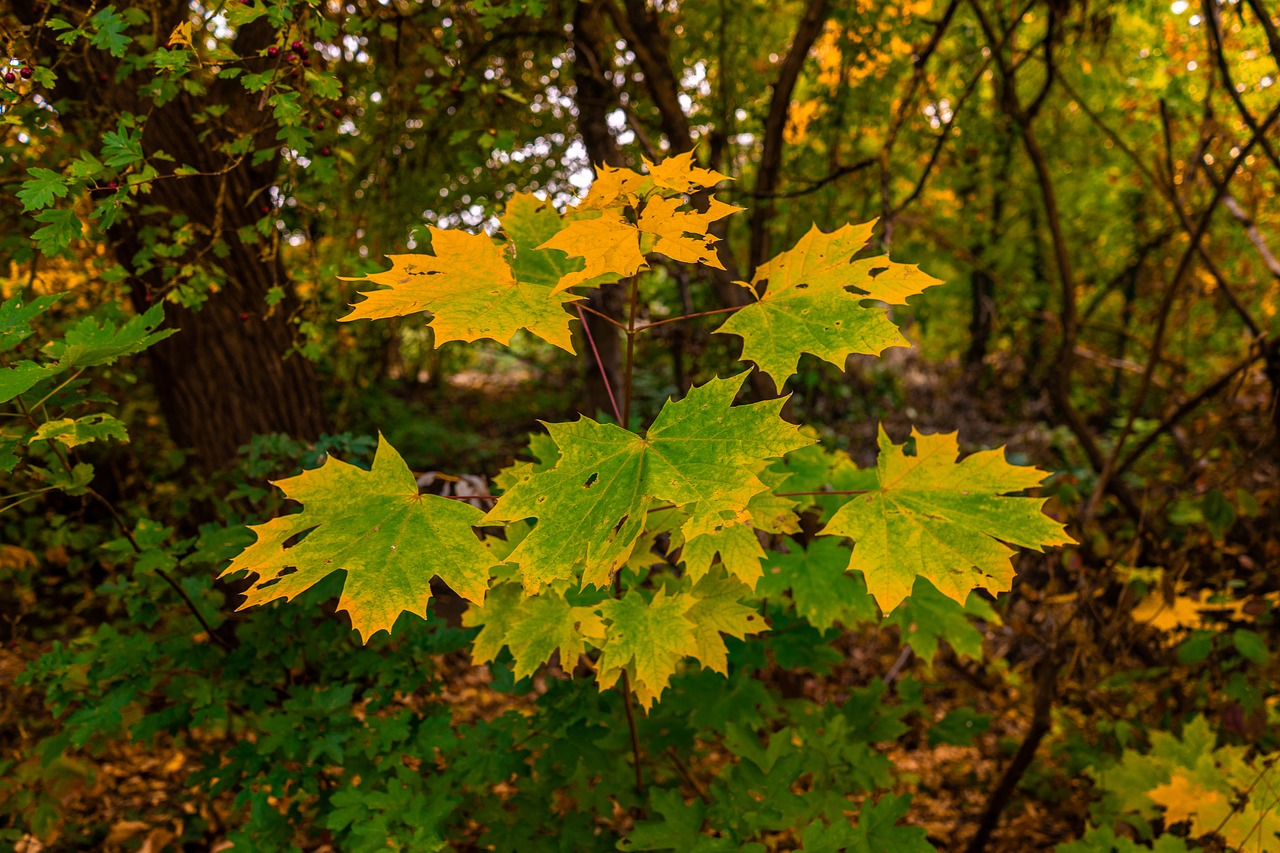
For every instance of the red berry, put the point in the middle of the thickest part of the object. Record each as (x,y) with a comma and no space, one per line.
(102,77)
(266,208)
(298,47)
(320,125)
(273,51)
(325,151)
(337,112)
(306,63)
(10,77)
(244,315)
(148,297)
(26,73)
(113,185)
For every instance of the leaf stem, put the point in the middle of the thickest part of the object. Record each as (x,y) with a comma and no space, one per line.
(688,317)
(604,374)
(603,316)
(625,423)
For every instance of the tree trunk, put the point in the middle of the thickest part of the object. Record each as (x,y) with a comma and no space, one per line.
(224,377)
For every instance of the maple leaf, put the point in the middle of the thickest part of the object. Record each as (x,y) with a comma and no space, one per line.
(701,452)
(682,235)
(718,611)
(374,525)
(475,288)
(533,628)
(647,638)
(608,243)
(679,173)
(932,517)
(620,187)
(736,544)
(814,303)
(1217,791)
(613,246)
(928,616)
(821,586)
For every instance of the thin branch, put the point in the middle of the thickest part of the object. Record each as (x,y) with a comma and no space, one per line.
(1166,304)
(687,775)
(775,125)
(641,328)
(604,375)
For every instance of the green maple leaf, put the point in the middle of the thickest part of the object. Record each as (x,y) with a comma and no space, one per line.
(928,616)
(823,589)
(375,526)
(647,638)
(476,287)
(1216,791)
(816,469)
(814,303)
(701,452)
(533,628)
(932,517)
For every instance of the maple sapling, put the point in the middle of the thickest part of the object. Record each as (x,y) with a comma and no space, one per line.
(585,518)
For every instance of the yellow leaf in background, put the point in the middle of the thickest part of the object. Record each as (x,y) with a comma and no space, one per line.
(1184,612)
(181,35)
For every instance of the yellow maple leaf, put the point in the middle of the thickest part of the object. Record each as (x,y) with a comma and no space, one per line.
(682,235)
(680,174)
(610,186)
(609,244)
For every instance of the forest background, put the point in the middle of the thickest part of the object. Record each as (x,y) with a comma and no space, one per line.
(1095,183)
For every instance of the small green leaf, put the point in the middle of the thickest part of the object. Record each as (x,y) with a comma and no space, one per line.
(44,186)
(1251,646)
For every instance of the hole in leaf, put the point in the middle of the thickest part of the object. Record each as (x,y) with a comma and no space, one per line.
(286,571)
(802,286)
(591,481)
(621,522)
(875,271)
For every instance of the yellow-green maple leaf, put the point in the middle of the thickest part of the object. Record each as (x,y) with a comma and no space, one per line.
(736,542)
(718,610)
(476,287)
(814,303)
(533,628)
(932,517)
(647,639)
(701,452)
(375,526)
